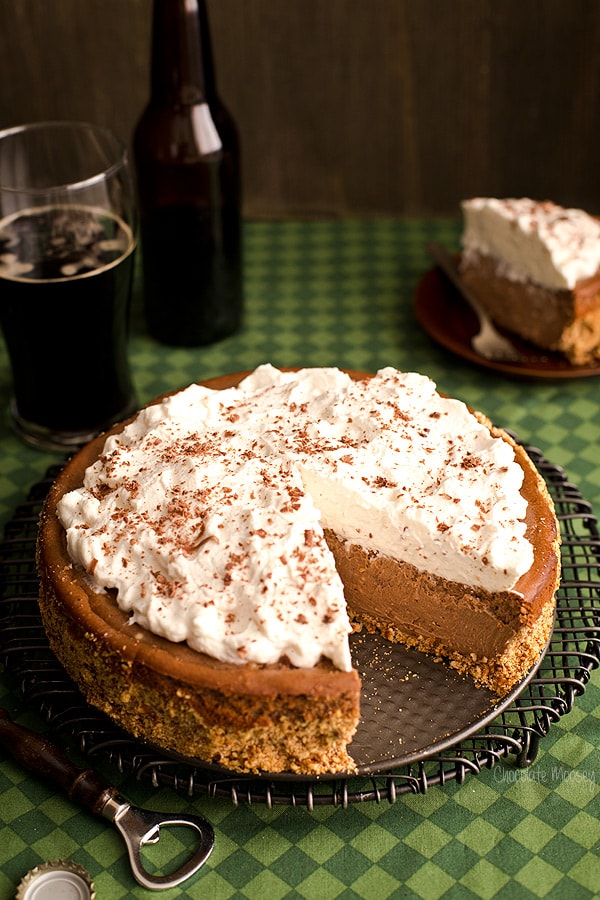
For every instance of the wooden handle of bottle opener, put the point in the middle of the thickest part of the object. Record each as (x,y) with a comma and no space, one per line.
(45,759)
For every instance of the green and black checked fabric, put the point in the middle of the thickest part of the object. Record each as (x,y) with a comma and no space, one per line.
(509,833)
(340,293)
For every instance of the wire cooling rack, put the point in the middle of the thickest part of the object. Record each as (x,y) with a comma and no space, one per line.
(573,652)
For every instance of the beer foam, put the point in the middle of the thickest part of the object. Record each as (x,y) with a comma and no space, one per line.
(50,243)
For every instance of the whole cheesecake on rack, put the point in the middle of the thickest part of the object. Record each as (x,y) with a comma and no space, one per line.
(535,268)
(202,565)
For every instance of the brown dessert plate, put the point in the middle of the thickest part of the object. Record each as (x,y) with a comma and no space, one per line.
(448,320)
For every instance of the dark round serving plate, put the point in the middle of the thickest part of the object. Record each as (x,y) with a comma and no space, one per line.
(448,319)
(421,722)
(411,707)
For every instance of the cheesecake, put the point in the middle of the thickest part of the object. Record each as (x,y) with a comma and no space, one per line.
(203,565)
(535,268)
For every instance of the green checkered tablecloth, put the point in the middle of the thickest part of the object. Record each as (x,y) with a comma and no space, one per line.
(340,293)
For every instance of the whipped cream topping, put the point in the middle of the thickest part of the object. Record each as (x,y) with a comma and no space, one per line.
(207,513)
(539,242)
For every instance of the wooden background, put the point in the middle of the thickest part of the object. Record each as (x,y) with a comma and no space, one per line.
(347,107)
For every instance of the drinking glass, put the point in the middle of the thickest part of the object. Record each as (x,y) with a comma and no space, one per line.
(67,241)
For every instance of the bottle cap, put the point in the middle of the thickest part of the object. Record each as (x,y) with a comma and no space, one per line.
(61,878)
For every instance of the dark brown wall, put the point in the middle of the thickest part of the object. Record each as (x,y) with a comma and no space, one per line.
(347,107)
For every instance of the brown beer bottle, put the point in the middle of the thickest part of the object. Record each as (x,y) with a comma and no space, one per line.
(187,160)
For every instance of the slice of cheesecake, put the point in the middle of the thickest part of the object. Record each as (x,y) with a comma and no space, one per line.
(535,268)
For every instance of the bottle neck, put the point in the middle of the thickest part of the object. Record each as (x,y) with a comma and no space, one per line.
(182,60)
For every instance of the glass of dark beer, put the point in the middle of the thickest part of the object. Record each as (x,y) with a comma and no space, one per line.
(67,240)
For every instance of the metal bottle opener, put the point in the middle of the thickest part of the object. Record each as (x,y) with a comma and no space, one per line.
(137,826)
